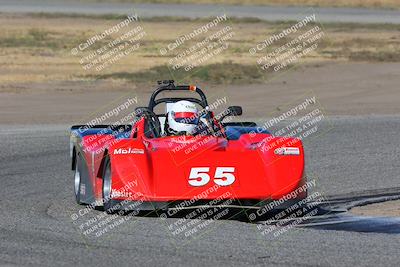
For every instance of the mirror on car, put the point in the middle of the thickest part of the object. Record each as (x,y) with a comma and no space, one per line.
(235,110)
(232,111)
(140,111)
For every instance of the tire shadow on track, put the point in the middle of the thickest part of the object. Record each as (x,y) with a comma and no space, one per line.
(331,215)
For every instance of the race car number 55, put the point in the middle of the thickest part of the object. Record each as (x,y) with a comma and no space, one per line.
(223,176)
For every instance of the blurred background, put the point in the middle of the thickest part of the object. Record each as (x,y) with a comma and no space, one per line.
(353,70)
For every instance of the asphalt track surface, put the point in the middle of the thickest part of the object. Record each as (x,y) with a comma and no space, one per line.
(354,154)
(357,15)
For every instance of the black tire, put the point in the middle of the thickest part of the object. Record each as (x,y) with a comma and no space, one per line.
(78,179)
(108,203)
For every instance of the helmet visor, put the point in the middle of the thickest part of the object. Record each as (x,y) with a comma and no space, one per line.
(185,117)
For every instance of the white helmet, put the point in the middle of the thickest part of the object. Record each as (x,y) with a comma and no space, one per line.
(183,117)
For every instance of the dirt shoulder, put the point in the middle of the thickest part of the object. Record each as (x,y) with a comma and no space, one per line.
(389,208)
(340,89)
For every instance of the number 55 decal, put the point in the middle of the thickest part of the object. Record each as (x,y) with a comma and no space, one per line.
(223,176)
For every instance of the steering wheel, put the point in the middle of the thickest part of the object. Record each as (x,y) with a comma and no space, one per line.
(152,120)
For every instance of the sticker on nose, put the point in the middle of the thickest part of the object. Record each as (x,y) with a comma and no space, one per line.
(287,151)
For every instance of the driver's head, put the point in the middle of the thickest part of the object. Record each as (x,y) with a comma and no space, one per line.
(182,118)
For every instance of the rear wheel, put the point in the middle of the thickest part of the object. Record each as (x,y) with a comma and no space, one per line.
(108,203)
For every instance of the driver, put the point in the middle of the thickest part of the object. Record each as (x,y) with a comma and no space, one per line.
(182,119)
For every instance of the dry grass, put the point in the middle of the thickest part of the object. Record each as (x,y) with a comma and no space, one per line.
(37,49)
(319,3)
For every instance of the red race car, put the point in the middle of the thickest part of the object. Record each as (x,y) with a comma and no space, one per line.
(186,157)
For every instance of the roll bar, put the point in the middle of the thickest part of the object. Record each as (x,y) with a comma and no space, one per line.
(168,85)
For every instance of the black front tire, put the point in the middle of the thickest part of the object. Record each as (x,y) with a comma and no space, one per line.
(108,203)
(78,179)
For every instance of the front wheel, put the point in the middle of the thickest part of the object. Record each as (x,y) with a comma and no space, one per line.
(78,179)
(108,203)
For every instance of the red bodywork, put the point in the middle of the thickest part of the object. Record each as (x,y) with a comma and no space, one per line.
(159,169)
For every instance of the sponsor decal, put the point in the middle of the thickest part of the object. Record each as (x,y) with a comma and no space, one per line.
(287,151)
(120,193)
(124,151)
